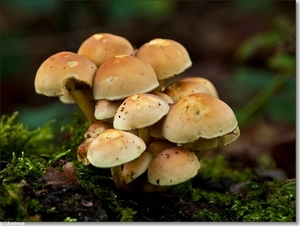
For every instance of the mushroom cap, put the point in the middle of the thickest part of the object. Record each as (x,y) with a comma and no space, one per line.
(121,76)
(158,145)
(180,89)
(133,169)
(198,115)
(54,72)
(173,166)
(82,151)
(139,111)
(102,46)
(106,109)
(204,81)
(96,128)
(166,56)
(164,96)
(114,147)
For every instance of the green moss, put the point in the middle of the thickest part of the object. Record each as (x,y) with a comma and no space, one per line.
(256,201)
(23,168)
(16,138)
(15,207)
(269,201)
(218,167)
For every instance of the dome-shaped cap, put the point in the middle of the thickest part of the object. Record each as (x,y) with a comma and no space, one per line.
(173,166)
(139,111)
(198,115)
(114,147)
(122,76)
(166,56)
(102,46)
(54,72)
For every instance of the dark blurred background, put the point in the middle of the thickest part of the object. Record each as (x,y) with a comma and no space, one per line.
(244,47)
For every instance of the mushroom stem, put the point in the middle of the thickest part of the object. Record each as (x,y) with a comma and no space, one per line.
(143,133)
(81,100)
(119,180)
(161,85)
(201,154)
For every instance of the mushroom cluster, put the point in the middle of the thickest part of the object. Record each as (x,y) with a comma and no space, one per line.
(149,135)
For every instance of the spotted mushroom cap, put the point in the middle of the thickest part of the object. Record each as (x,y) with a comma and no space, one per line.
(121,76)
(173,166)
(166,56)
(96,128)
(139,111)
(102,46)
(198,115)
(114,147)
(53,73)
(133,169)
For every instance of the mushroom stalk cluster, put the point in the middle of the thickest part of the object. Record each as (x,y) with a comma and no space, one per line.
(149,135)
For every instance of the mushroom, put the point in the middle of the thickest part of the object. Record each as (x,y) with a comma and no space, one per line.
(133,169)
(106,109)
(121,76)
(166,56)
(164,96)
(65,73)
(203,81)
(198,115)
(82,151)
(230,137)
(173,166)
(96,128)
(140,111)
(102,46)
(180,89)
(202,146)
(158,145)
(112,148)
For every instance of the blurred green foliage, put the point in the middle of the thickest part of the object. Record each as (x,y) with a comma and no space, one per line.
(271,89)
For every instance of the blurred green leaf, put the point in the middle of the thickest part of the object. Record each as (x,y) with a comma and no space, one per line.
(283,62)
(266,40)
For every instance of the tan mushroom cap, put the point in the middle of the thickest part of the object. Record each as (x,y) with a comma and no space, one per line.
(139,111)
(198,115)
(133,169)
(173,166)
(96,128)
(164,96)
(102,46)
(106,109)
(121,76)
(114,147)
(167,57)
(55,71)
(158,145)
(204,81)
(180,89)
(82,151)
